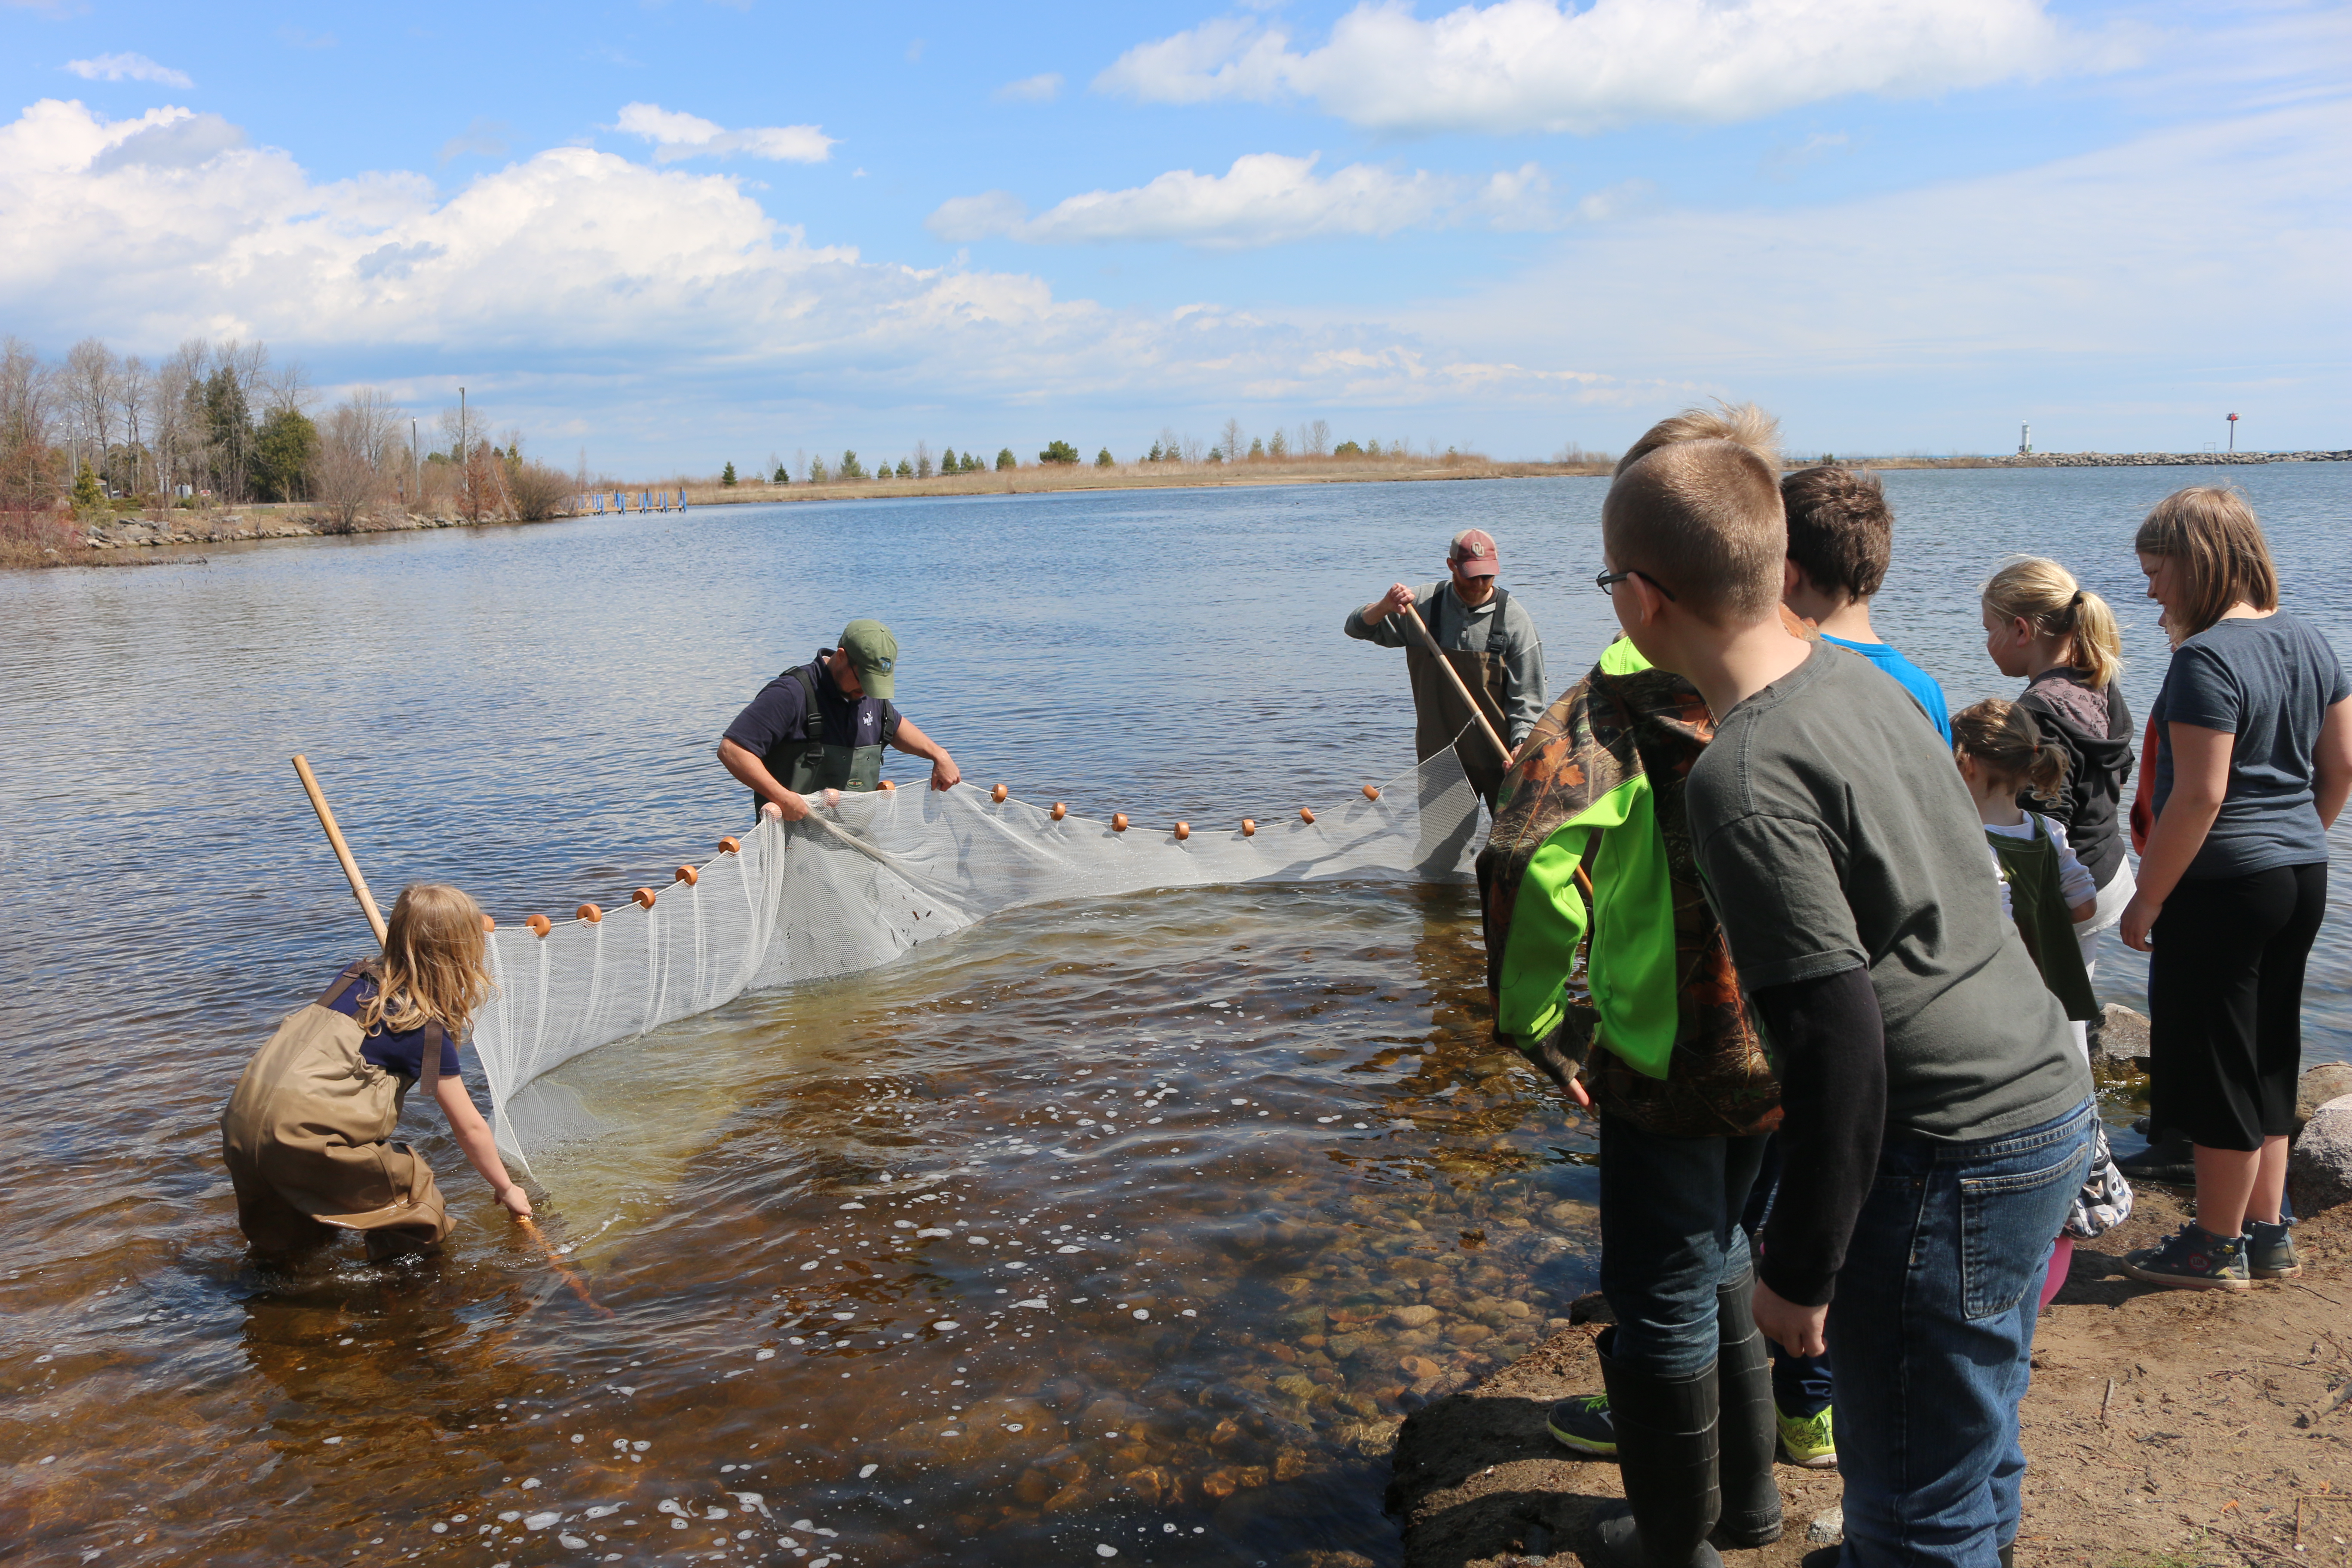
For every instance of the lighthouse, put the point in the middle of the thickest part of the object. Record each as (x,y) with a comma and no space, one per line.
(2025,440)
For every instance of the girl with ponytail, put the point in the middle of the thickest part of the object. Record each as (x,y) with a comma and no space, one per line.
(2060,638)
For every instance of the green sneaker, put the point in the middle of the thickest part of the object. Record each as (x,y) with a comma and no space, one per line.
(1807,1440)
(1582,1423)
(2193,1259)
(2269,1251)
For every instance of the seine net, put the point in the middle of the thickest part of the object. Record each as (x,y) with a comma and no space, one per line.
(858,883)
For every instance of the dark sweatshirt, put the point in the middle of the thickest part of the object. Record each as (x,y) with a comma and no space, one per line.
(2094,730)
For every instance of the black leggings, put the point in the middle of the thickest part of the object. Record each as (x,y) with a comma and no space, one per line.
(2225,999)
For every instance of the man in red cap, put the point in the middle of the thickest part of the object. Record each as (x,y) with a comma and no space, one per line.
(1491,641)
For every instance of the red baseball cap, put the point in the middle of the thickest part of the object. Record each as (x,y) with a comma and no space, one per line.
(1472,554)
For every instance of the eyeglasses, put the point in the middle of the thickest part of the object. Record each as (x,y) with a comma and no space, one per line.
(1606,582)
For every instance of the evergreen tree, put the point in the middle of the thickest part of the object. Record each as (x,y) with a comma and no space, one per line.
(727,476)
(1056,452)
(1257,449)
(782,476)
(1006,459)
(1103,459)
(1154,454)
(905,470)
(970,463)
(948,461)
(282,452)
(87,490)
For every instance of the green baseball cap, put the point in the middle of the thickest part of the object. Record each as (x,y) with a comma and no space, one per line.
(873,653)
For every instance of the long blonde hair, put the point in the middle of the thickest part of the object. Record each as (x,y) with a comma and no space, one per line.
(2001,739)
(2209,533)
(432,970)
(2045,596)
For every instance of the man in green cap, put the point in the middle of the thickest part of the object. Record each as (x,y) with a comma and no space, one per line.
(821,726)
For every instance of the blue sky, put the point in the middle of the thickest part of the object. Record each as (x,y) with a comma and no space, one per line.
(685,233)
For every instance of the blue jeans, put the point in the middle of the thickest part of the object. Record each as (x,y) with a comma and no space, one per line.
(1931,1334)
(1670,1238)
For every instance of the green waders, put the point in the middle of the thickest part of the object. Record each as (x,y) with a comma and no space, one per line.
(1439,715)
(2031,867)
(815,763)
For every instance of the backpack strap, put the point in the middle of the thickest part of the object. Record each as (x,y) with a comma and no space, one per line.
(1499,641)
(429,1062)
(355,972)
(812,716)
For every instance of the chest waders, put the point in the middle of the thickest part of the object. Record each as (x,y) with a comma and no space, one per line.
(814,763)
(1438,713)
(308,1139)
(2040,908)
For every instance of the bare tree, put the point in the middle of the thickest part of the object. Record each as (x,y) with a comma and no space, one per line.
(91,372)
(179,430)
(344,478)
(287,391)
(1230,442)
(374,421)
(1193,451)
(24,424)
(923,464)
(1317,438)
(136,388)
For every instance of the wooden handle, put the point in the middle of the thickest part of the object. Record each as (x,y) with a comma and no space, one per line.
(1454,675)
(342,850)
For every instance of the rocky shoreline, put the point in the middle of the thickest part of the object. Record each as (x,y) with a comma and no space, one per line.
(234,528)
(2148,459)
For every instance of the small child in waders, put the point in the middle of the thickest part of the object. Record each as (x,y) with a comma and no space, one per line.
(308,1134)
(2001,752)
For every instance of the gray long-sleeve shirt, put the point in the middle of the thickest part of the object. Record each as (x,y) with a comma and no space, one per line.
(1461,626)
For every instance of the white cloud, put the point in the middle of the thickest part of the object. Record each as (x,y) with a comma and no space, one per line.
(1540,64)
(1031,89)
(1265,198)
(676,135)
(127,68)
(556,268)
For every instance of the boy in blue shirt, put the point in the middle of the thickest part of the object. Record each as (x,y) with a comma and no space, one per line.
(1840,536)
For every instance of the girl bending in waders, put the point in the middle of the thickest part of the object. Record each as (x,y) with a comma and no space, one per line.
(308,1134)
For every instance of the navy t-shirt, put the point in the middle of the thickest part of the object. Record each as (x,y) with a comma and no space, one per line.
(401,1052)
(779,714)
(2268,680)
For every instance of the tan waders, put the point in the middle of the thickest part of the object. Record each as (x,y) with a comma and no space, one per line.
(308,1136)
(1440,719)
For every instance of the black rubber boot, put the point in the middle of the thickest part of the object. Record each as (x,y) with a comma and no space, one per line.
(1752,1498)
(1666,1456)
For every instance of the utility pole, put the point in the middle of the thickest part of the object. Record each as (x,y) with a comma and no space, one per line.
(416,467)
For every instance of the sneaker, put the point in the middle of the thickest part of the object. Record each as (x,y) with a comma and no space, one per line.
(1807,1440)
(2269,1251)
(2193,1259)
(1582,1423)
(2172,1159)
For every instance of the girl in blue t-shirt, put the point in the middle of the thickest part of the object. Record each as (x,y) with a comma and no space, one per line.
(2254,762)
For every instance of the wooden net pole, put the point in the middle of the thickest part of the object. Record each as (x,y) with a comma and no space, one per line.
(342,850)
(1454,675)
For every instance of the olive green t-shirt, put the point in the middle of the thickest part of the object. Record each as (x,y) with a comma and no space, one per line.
(1834,833)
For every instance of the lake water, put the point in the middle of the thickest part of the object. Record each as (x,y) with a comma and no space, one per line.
(1189,1342)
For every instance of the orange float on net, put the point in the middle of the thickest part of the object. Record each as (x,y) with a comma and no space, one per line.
(538,926)
(730,846)
(643,897)
(998,793)
(488,925)
(589,913)
(1060,811)
(1118,822)
(886,785)
(1305,815)
(1184,831)
(688,875)
(1249,826)
(1371,791)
